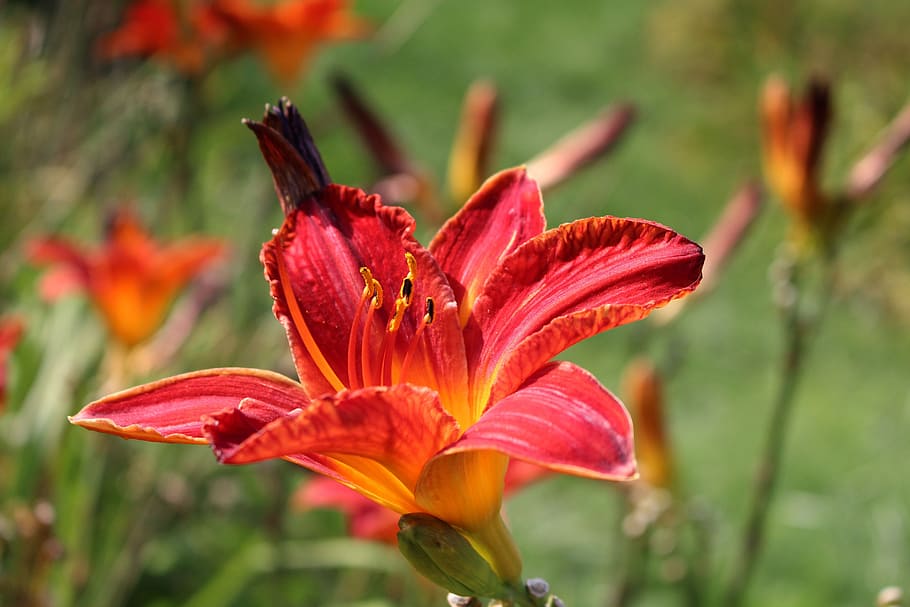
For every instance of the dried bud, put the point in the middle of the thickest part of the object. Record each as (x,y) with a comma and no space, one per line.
(439,552)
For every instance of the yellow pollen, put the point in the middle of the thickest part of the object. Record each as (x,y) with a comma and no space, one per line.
(368,281)
(377,294)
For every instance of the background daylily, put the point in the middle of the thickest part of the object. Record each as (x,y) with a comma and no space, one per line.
(164,30)
(191,35)
(285,34)
(423,370)
(131,279)
(10,332)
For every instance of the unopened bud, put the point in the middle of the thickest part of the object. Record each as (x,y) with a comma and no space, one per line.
(442,554)
(555,601)
(456,600)
(537,587)
(890,596)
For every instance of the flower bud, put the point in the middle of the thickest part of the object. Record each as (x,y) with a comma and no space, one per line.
(443,555)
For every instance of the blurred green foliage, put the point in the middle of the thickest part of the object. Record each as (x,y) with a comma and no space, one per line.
(90,520)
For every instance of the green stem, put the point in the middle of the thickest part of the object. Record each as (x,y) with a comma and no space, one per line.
(798,327)
(495,544)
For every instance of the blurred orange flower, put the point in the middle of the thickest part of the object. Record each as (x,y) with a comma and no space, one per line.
(285,34)
(159,29)
(793,132)
(10,332)
(190,35)
(131,279)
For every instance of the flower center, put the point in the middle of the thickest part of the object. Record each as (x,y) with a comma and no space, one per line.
(369,365)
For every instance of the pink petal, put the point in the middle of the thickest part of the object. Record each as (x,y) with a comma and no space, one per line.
(72,266)
(569,284)
(171,410)
(501,216)
(562,419)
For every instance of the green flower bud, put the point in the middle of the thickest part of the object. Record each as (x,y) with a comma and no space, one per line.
(443,555)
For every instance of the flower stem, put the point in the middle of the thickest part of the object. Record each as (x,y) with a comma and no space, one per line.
(798,324)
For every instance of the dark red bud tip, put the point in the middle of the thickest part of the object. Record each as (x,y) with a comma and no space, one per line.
(288,148)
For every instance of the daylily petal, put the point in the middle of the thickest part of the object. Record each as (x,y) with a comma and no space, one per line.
(171,410)
(184,260)
(398,427)
(561,418)
(54,250)
(528,357)
(463,489)
(313,266)
(505,213)
(557,289)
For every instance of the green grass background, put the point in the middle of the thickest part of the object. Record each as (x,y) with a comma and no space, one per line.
(164,525)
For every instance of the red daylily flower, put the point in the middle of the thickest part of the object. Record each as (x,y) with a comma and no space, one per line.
(422,371)
(10,332)
(367,520)
(131,279)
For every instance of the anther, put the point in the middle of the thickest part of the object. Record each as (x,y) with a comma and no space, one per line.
(407,289)
(377,294)
(369,291)
(430,311)
(367,281)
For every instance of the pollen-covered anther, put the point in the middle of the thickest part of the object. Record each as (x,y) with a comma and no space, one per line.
(372,292)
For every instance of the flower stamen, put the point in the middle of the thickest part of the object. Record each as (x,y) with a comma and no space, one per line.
(368,292)
(405,294)
(424,322)
(375,304)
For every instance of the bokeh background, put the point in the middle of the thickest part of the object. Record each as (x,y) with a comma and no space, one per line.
(91,520)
